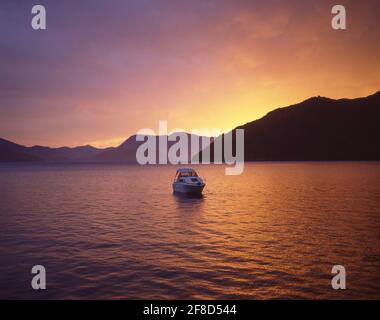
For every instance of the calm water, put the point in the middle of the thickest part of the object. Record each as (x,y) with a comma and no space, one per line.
(115,231)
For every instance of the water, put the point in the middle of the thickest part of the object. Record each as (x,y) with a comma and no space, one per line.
(117,231)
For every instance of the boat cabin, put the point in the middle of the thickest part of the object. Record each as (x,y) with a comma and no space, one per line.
(184,173)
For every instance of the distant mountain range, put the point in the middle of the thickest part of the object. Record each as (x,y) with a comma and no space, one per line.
(12,152)
(316,129)
(126,152)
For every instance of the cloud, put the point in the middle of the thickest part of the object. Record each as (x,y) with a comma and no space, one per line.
(105,69)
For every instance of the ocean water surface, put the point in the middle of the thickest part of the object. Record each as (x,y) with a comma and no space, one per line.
(118,232)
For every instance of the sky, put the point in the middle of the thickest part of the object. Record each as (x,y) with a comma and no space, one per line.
(102,70)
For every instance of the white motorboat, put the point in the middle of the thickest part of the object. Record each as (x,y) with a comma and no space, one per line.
(187,181)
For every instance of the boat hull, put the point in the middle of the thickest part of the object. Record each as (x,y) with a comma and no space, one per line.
(188,188)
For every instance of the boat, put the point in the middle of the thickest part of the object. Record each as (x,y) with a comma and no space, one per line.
(187,181)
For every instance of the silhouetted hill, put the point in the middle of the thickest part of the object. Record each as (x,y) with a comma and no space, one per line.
(316,129)
(80,153)
(12,152)
(126,152)
(123,153)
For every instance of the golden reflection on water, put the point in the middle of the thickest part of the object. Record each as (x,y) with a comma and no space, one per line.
(118,231)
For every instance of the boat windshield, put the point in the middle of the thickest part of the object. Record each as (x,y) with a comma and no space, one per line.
(187,174)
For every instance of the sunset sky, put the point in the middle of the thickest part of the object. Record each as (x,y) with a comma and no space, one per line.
(105,69)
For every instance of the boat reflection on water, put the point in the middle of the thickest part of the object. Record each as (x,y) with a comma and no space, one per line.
(187,197)
(189,206)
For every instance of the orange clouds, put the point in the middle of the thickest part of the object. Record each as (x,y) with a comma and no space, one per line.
(206,64)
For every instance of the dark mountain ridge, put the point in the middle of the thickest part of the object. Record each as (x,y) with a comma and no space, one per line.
(12,152)
(126,152)
(319,129)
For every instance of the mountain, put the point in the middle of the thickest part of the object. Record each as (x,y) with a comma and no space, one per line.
(12,152)
(63,154)
(319,128)
(126,152)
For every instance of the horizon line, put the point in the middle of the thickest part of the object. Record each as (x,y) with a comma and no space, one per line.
(123,139)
